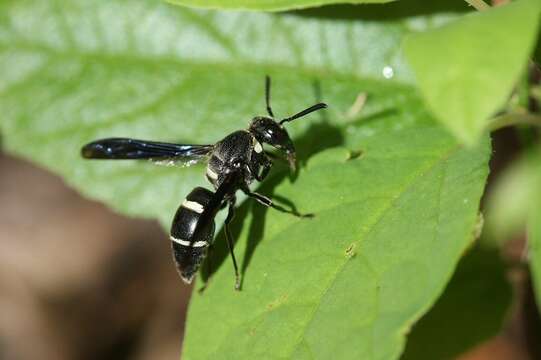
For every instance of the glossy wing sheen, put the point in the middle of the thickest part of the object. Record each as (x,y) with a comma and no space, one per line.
(159,152)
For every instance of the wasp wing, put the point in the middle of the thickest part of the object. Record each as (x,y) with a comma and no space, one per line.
(159,152)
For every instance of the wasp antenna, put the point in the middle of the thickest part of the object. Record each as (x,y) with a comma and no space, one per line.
(267,95)
(311,109)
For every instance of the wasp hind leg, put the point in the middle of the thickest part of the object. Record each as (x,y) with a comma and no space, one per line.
(229,239)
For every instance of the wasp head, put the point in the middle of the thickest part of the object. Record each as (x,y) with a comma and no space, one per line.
(268,131)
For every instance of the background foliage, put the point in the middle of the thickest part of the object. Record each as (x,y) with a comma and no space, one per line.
(395,191)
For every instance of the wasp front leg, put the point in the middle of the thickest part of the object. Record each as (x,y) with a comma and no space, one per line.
(266,165)
(260,165)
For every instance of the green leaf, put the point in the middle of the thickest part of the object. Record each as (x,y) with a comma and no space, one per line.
(268,5)
(351,281)
(390,224)
(468,317)
(467,69)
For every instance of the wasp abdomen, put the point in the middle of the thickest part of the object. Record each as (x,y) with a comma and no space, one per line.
(192,232)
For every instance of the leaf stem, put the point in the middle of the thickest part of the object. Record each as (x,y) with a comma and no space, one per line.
(513,119)
(478,4)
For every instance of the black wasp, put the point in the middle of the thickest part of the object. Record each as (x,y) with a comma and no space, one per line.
(233,164)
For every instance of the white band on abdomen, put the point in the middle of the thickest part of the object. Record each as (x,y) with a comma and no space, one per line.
(194,206)
(188,243)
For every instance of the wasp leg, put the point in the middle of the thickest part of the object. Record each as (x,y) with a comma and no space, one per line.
(266,165)
(229,239)
(262,199)
(274,156)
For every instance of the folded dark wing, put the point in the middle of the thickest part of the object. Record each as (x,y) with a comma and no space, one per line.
(159,152)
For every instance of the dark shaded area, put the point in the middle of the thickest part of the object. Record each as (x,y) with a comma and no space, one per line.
(529,313)
(125,346)
(128,272)
(321,134)
(78,281)
(536,54)
(532,320)
(375,117)
(470,311)
(389,11)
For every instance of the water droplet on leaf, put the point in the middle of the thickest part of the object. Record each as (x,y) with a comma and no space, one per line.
(388,72)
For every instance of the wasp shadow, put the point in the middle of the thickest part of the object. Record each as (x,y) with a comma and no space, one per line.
(375,117)
(320,136)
